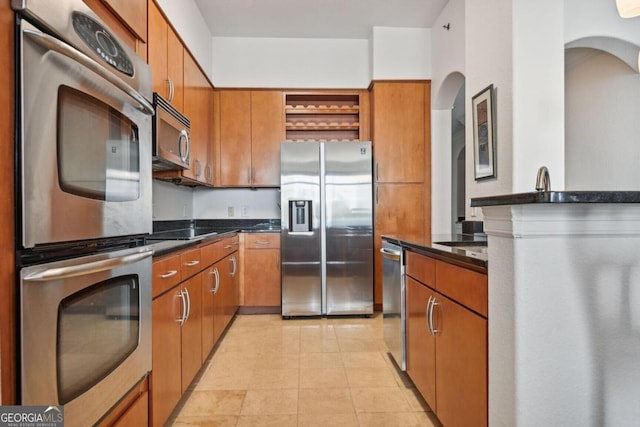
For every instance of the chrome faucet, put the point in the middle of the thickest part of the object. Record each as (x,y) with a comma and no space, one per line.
(543,182)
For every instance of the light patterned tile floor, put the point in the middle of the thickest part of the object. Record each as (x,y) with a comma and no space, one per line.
(302,372)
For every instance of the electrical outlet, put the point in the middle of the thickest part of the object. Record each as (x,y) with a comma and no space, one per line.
(231,211)
(245,211)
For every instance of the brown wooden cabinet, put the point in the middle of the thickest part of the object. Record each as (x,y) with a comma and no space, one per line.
(198,108)
(262,270)
(192,331)
(251,127)
(188,317)
(400,132)
(126,19)
(132,410)
(165,55)
(398,211)
(421,346)
(9,369)
(133,14)
(327,115)
(447,338)
(166,371)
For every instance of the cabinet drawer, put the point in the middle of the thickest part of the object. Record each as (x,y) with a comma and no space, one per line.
(421,268)
(262,241)
(166,274)
(190,263)
(212,253)
(230,245)
(467,287)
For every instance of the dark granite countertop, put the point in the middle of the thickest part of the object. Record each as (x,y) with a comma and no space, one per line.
(162,247)
(467,250)
(173,235)
(558,197)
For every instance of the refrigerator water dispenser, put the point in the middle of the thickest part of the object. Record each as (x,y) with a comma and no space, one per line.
(300,216)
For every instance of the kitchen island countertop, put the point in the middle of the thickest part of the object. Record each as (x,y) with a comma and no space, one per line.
(466,256)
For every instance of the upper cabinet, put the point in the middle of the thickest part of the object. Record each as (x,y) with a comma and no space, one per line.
(126,18)
(250,129)
(166,57)
(400,130)
(198,107)
(326,116)
(178,78)
(133,14)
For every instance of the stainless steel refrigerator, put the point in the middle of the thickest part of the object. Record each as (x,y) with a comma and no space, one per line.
(327,228)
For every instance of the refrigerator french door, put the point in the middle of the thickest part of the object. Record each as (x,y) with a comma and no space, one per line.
(327,228)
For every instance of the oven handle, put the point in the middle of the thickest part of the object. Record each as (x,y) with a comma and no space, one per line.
(62,48)
(88,268)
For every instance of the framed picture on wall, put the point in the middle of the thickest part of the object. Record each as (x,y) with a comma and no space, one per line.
(484,141)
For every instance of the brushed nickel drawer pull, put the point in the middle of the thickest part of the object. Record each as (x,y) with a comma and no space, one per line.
(168,274)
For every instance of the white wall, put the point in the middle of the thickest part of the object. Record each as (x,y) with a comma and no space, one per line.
(186,18)
(538,93)
(448,64)
(171,202)
(290,63)
(489,60)
(400,53)
(602,126)
(246,204)
(598,18)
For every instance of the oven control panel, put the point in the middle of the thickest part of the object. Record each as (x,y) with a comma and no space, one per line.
(100,40)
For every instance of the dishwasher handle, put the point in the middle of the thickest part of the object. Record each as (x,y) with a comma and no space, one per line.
(391,254)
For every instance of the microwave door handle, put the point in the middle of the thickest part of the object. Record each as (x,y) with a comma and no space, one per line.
(183,139)
(88,268)
(62,48)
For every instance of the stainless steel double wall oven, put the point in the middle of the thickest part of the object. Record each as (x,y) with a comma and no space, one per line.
(84,116)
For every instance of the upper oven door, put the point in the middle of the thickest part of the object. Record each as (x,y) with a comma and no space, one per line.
(85,146)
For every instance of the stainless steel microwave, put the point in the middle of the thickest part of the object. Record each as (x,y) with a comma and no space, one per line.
(171,142)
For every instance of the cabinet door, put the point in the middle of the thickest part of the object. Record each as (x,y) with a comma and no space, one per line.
(262,277)
(235,138)
(133,13)
(175,68)
(166,374)
(218,298)
(192,331)
(398,211)
(399,130)
(233,295)
(421,345)
(157,50)
(196,108)
(461,369)
(137,414)
(267,131)
(210,285)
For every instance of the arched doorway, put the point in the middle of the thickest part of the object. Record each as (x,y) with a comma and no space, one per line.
(449,155)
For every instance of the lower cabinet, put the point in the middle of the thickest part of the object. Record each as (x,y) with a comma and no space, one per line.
(189,317)
(132,410)
(447,339)
(262,270)
(421,345)
(191,329)
(166,370)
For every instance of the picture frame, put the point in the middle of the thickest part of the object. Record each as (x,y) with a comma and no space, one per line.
(484,135)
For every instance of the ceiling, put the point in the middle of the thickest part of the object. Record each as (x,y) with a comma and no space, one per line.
(351,19)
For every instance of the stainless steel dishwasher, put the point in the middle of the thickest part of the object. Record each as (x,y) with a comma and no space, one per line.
(393,302)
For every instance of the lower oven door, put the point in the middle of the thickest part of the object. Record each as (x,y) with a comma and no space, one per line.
(86,331)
